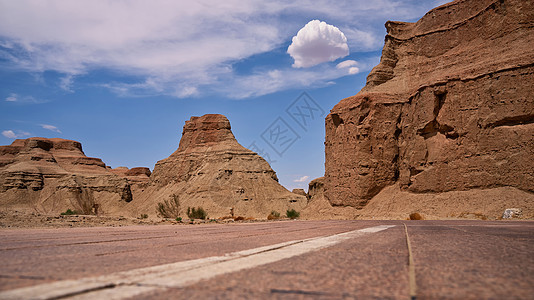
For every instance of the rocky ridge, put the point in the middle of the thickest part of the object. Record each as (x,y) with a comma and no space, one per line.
(52,175)
(449,108)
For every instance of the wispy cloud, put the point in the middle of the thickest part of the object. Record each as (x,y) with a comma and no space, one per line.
(177,46)
(66,82)
(301,179)
(12,98)
(14,135)
(15,98)
(51,128)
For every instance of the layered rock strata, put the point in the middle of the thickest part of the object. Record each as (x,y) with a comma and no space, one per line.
(212,170)
(450,107)
(52,175)
(137,175)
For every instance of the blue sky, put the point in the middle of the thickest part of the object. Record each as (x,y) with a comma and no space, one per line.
(122,77)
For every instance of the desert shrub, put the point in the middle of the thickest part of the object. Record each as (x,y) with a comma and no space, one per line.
(70,212)
(292,214)
(169,208)
(179,219)
(198,213)
(274,215)
(143,216)
(416,216)
(239,218)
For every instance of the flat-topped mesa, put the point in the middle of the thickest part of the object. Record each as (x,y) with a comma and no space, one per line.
(450,107)
(208,130)
(51,175)
(49,156)
(211,169)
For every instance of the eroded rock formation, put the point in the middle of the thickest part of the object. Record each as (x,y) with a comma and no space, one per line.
(450,107)
(212,170)
(52,175)
(137,175)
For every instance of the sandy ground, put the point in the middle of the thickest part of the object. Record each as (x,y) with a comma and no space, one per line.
(392,203)
(21,219)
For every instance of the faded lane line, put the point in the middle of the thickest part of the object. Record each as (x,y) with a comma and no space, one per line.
(411,267)
(126,284)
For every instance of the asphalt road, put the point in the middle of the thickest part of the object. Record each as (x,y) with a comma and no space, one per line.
(281,260)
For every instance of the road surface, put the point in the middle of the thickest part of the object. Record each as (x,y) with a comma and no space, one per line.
(280,260)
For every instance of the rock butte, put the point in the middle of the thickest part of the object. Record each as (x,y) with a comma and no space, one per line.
(211,169)
(450,107)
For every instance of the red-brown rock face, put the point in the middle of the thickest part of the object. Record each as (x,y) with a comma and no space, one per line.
(449,107)
(211,169)
(137,175)
(51,175)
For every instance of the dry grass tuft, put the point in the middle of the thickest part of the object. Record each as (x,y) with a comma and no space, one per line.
(170,208)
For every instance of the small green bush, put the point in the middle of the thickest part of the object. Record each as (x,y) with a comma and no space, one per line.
(143,216)
(70,212)
(179,219)
(274,215)
(292,214)
(198,213)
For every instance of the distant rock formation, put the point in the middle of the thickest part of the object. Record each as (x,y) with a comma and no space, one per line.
(319,208)
(137,175)
(52,175)
(316,188)
(212,170)
(450,107)
(299,192)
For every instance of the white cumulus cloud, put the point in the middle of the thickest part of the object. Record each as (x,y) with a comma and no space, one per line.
(317,42)
(51,128)
(350,65)
(10,134)
(301,179)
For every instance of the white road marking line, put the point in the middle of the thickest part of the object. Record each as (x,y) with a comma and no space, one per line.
(127,284)
(411,267)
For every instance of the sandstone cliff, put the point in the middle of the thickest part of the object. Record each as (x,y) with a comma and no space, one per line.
(212,170)
(52,175)
(450,107)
